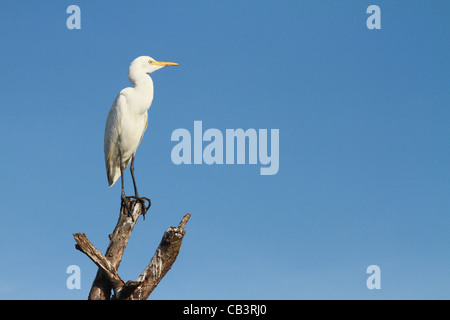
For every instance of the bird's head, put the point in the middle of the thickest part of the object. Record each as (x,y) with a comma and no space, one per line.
(145,65)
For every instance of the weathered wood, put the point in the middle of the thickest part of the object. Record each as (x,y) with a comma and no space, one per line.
(85,246)
(162,260)
(107,278)
(101,287)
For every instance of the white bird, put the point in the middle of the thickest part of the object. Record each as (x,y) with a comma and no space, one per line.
(127,120)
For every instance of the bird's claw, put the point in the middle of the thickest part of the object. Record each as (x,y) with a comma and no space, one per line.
(142,201)
(127,205)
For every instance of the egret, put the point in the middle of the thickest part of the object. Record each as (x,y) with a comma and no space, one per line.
(127,121)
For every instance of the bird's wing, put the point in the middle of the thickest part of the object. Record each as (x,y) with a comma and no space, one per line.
(112,133)
(145,128)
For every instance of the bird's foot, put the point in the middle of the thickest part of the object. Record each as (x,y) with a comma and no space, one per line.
(142,201)
(127,205)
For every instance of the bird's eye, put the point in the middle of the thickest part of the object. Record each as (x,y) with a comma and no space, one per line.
(150,61)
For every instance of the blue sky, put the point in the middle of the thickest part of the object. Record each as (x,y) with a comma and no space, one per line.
(364,146)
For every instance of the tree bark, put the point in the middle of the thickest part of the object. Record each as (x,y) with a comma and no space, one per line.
(162,260)
(107,278)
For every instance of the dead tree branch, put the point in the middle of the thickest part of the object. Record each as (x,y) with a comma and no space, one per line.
(107,278)
(162,260)
(85,246)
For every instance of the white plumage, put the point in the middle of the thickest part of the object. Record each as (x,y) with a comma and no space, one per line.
(127,119)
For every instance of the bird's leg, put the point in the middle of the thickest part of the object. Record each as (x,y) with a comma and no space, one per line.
(136,194)
(124,199)
(141,200)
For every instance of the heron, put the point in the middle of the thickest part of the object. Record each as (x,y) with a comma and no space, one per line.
(127,121)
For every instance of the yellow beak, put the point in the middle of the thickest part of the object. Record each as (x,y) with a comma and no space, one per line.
(162,63)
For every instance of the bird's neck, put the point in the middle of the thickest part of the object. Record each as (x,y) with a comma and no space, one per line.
(144,82)
(143,94)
